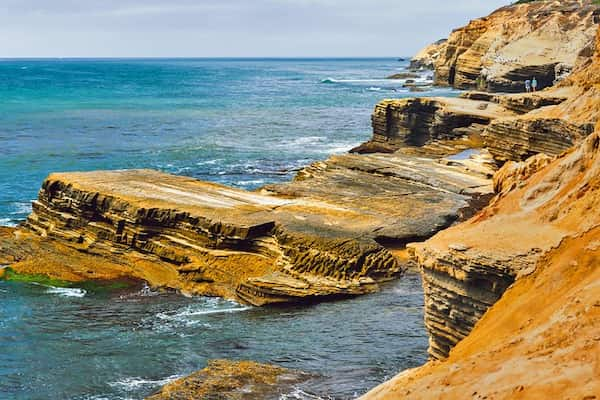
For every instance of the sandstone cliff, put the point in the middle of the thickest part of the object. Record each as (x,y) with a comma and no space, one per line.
(541,339)
(427,57)
(532,256)
(567,114)
(499,52)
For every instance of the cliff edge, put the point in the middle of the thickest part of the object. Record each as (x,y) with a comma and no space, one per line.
(542,39)
(511,295)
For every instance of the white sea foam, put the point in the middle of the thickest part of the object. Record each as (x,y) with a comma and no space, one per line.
(7,222)
(191,312)
(208,162)
(374,89)
(298,394)
(251,182)
(21,208)
(135,383)
(372,80)
(66,292)
(306,140)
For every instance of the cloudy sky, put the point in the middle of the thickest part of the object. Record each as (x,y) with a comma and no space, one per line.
(221,28)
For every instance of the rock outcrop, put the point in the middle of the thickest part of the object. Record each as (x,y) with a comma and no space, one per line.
(468,267)
(550,129)
(519,138)
(417,121)
(322,235)
(233,380)
(541,39)
(540,236)
(427,57)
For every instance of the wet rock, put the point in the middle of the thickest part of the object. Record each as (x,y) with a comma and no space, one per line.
(403,75)
(233,380)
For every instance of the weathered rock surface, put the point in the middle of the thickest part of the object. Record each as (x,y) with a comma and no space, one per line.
(319,236)
(426,58)
(523,103)
(512,294)
(541,39)
(520,138)
(539,341)
(541,235)
(550,129)
(233,380)
(417,121)
(506,240)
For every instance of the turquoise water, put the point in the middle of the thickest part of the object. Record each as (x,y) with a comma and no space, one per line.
(239,122)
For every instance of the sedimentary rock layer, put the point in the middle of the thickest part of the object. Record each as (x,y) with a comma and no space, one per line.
(233,380)
(506,240)
(541,39)
(318,236)
(540,339)
(519,138)
(417,121)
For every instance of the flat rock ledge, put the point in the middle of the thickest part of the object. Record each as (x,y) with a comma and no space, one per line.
(326,234)
(233,380)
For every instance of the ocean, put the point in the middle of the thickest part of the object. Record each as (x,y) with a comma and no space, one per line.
(241,122)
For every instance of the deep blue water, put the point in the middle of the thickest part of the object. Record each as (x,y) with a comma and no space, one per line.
(239,122)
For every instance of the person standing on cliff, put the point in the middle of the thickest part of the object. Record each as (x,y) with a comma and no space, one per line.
(534,84)
(528,86)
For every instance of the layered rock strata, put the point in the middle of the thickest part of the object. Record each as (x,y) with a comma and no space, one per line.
(468,267)
(319,236)
(233,380)
(519,138)
(551,129)
(542,39)
(417,121)
(523,103)
(540,339)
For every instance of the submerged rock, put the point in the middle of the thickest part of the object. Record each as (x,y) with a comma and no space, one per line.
(233,380)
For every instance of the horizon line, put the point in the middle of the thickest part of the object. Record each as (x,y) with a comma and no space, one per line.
(407,58)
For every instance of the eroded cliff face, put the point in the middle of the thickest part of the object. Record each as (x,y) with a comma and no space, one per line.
(541,39)
(427,57)
(540,238)
(418,121)
(566,114)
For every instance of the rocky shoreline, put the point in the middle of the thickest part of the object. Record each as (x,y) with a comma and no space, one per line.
(493,232)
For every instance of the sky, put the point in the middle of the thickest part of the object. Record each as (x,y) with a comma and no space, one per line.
(229,28)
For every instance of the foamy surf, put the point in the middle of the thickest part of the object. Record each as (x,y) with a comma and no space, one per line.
(371,80)
(7,222)
(66,292)
(194,315)
(130,384)
(299,394)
